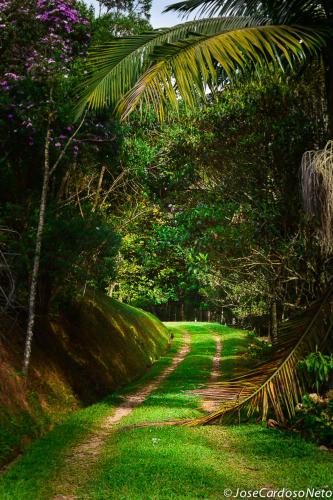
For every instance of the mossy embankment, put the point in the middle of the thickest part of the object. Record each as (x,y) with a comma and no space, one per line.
(97,346)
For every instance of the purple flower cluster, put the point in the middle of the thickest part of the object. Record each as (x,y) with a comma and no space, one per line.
(58,24)
(42,38)
(13,76)
(59,13)
(60,18)
(4,4)
(4,85)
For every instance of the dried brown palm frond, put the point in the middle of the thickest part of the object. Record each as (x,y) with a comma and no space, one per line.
(317,191)
(278,384)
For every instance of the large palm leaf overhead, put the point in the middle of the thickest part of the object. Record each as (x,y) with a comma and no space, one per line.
(162,66)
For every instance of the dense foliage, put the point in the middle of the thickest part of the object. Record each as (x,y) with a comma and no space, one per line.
(223,223)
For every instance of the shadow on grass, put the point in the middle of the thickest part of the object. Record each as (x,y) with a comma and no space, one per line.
(175,463)
(28,477)
(159,463)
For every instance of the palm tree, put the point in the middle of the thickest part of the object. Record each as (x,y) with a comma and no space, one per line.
(310,13)
(161,67)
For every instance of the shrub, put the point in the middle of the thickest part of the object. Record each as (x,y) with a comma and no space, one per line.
(316,422)
(259,347)
(318,368)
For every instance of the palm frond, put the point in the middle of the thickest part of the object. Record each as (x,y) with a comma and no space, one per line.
(114,67)
(213,7)
(293,11)
(182,68)
(277,384)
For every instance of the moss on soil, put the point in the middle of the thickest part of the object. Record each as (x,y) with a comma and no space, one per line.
(98,346)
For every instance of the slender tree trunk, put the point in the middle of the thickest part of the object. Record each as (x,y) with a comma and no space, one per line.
(182,312)
(38,249)
(274,322)
(99,187)
(48,172)
(111,289)
(223,320)
(328,58)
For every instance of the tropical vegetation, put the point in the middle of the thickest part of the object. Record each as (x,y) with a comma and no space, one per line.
(186,171)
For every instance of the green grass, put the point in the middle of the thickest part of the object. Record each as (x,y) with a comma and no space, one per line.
(163,463)
(32,476)
(28,478)
(193,463)
(171,463)
(173,399)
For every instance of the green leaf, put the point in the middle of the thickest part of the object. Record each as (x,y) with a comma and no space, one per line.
(182,68)
(114,67)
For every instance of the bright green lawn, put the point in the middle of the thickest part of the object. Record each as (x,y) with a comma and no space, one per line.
(173,462)
(31,478)
(173,399)
(192,463)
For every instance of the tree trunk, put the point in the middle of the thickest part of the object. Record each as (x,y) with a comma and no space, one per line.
(38,248)
(222,317)
(274,322)
(99,188)
(182,311)
(111,289)
(48,172)
(329,87)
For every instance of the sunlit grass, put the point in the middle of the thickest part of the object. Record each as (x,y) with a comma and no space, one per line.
(195,463)
(32,476)
(163,463)
(174,399)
